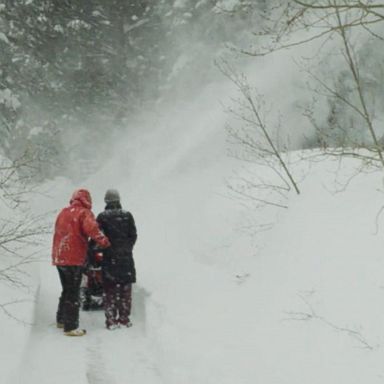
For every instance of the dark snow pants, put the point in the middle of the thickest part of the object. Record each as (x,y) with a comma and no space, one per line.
(69,302)
(117,302)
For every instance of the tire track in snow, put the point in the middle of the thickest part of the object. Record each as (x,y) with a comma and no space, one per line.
(131,355)
(49,357)
(96,369)
(125,354)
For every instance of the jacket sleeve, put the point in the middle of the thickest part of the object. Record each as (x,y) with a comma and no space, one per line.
(132,230)
(91,229)
(100,221)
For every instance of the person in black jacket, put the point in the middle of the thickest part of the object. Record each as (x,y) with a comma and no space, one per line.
(118,266)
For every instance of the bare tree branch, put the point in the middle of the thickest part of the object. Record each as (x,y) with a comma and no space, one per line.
(311,315)
(256,121)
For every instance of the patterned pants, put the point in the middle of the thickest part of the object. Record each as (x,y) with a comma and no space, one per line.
(117,302)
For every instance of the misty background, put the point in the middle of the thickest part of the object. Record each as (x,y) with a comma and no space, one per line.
(76,77)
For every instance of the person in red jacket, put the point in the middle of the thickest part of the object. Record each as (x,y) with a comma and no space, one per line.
(74,226)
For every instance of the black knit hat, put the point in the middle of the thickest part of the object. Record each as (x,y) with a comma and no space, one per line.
(112,196)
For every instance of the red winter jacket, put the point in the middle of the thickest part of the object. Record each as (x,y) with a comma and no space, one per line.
(74,226)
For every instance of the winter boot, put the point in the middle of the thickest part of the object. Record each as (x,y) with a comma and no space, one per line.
(76,332)
(112,327)
(111,324)
(125,323)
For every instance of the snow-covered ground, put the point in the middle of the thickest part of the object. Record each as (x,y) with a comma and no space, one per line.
(301,303)
(305,305)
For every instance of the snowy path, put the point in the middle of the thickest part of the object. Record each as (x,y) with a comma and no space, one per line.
(101,357)
(288,314)
(122,355)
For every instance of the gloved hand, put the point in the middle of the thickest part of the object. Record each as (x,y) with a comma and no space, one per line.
(103,242)
(98,257)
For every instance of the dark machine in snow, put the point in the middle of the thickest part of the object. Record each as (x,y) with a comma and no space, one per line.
(91,291)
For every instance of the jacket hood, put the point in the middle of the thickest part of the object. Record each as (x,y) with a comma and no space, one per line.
(83,197)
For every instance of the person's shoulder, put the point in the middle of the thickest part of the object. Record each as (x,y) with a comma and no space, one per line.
(126,213)
(122,213)
(70,210)
(85,213)
(62,210)
(62,213)
(102,215)
(109,213)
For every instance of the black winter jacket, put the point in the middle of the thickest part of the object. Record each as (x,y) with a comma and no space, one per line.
(119,226)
